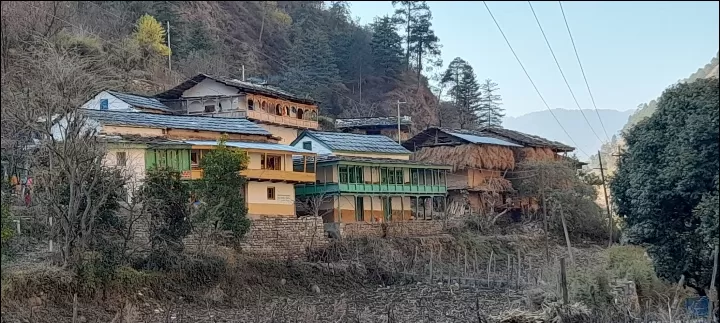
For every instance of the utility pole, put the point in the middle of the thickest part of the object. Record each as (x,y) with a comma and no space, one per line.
(243,72)
(168,44)
(398,111)
(607,203)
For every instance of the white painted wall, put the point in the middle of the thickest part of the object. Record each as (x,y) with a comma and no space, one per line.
(114,103)
(317,147)
(134,168)
(59,129)
(209,87)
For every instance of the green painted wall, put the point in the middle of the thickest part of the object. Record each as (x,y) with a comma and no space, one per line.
(176,159)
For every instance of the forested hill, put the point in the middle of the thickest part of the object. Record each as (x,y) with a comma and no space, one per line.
(312,48)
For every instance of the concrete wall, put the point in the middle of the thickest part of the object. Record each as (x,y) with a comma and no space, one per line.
(287,134)
(208,87)
(134,167)
(114,104)
(259,205)
(317,147)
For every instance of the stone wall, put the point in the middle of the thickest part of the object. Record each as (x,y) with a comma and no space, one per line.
(391,229)
(284,236)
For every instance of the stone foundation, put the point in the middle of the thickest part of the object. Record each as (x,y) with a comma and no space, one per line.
(286,237)
(390,229)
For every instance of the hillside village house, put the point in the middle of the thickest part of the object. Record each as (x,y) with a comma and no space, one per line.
(386,126)
(119,101)
(369,178)
(140,141)
(482,160)
(281,113)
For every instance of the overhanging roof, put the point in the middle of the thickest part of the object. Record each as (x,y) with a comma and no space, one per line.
(252,145)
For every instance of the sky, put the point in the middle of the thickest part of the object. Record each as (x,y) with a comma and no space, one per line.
(630,51)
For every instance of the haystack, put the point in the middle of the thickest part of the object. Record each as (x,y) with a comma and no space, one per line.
(535,153)
(494,184)
(468,156)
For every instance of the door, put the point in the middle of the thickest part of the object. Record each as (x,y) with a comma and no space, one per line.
(359,209)
(387,207)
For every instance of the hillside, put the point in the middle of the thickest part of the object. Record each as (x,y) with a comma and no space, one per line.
(645,110)
(543,124)
(311,48)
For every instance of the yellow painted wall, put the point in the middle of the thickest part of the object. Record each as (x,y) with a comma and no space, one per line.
(390,156)
(287,134)
(255,160)
(259,205)
(346,211)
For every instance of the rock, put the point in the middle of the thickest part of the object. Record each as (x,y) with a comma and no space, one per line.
(283,281)
(82,319)
(316,289)
(216,295)
(34,301)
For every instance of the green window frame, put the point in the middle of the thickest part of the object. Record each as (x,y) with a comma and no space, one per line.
(343,173)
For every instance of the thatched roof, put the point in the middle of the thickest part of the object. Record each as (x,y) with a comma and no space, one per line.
(468,156)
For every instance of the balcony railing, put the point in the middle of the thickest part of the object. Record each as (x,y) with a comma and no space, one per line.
(262,175)
(282,120)
(331,188)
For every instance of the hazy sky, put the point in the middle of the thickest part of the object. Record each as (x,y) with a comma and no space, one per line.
(630,51)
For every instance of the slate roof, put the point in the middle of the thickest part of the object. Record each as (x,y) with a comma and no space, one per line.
(247,87)
(482,139)
(140,101)
(525,139)
(371,122)
(367,160)
(153,120)
(340,141)
(250,145)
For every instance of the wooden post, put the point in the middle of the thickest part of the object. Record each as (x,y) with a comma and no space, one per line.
(372,210)
(563,281)
(465,268)
(402,208)
(519,263)
(713,289)
(567,236)
(509,273)
(304,164)
(431,265)
(489,266)
(607,202)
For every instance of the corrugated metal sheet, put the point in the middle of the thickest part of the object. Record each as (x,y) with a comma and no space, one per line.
(339,141)
(140,101)
(483,140)
(153,120)
(249,145)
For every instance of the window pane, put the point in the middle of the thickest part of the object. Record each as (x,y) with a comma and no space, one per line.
(343,174)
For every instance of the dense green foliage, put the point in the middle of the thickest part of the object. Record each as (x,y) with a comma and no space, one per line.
(666,185)
(464,91)
(221,190)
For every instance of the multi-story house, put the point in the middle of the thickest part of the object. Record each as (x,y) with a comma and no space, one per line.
(140,141)
(279,112)
(386,126)
(369,178)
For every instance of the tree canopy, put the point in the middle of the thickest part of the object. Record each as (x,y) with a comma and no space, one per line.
(666,185)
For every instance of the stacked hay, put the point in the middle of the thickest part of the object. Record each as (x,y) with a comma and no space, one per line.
(472,156)
(535,153)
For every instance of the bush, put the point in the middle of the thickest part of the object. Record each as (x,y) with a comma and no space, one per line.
(632,262)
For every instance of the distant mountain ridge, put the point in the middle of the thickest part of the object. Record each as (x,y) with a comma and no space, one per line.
(543,124)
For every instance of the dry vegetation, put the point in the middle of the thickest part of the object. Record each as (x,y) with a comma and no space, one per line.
(469,156)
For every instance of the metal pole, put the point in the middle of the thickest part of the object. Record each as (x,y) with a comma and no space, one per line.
(607,203)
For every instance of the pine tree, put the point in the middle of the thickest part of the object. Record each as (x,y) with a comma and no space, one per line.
(150,35)
(465,92)
(421,44)
(386,47)
(491,113)
(405,17)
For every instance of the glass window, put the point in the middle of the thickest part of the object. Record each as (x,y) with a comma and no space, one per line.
(194,157)
(273,162)
(383,175)
(251,104)
(343,174)
(270,193)
(414,176)
(307,145)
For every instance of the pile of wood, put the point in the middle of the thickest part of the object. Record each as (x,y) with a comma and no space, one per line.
(550,313)
(468,156)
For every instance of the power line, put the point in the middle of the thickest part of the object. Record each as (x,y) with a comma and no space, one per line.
(583,71)
(561,71)
(531,81)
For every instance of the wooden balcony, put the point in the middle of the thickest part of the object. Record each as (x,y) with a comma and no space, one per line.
(369,189)
(263,116)
(262,175)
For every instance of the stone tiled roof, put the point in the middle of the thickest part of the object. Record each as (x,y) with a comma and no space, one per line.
(247,87)
(339,141)
(140,101)
(371,122)
(153,120)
